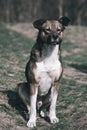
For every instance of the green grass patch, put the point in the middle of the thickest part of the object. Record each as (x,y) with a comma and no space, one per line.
(72,103)
(73,56)
(12,42)
(68,46)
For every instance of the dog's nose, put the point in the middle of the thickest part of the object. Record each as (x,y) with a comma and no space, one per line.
(55,36)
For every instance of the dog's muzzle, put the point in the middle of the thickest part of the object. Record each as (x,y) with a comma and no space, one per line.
(53,39)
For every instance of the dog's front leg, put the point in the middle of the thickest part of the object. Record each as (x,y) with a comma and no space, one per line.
(52,110)
(33,98)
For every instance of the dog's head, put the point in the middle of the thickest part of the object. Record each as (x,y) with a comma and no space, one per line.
(50,31)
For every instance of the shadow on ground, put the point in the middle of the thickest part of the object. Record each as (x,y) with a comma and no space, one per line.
(80,67)
(15,102)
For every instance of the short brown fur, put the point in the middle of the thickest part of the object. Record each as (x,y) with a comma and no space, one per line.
(50,35)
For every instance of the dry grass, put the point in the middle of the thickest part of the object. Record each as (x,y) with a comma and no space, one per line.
(14,54)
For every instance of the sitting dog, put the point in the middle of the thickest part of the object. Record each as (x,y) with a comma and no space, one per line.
(44,70)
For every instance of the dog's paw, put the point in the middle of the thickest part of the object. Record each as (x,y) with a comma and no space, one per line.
(42,113)
(54,120)
(31,123)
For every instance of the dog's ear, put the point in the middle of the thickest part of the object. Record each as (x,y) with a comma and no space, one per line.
(64,21)
(38,23)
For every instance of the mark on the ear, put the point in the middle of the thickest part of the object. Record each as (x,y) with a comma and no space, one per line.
(38,23)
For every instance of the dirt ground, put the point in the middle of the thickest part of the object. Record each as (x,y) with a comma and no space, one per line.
(76,35)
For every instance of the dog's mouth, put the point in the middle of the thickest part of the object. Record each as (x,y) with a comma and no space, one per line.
(53,41)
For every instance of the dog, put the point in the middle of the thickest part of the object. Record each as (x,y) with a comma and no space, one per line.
(44,70)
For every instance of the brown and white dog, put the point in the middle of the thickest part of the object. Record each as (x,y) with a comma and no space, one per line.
(44,70)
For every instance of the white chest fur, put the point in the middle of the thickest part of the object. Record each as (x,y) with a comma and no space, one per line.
(49,69)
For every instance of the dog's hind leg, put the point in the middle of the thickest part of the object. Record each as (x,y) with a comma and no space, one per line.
(44,109)
(44,104)
(23,91)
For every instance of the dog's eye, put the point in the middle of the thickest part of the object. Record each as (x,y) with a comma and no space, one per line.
(47,30)
(58,30)
(61,30)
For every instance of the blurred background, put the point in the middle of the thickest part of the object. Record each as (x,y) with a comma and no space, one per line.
(29,10)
